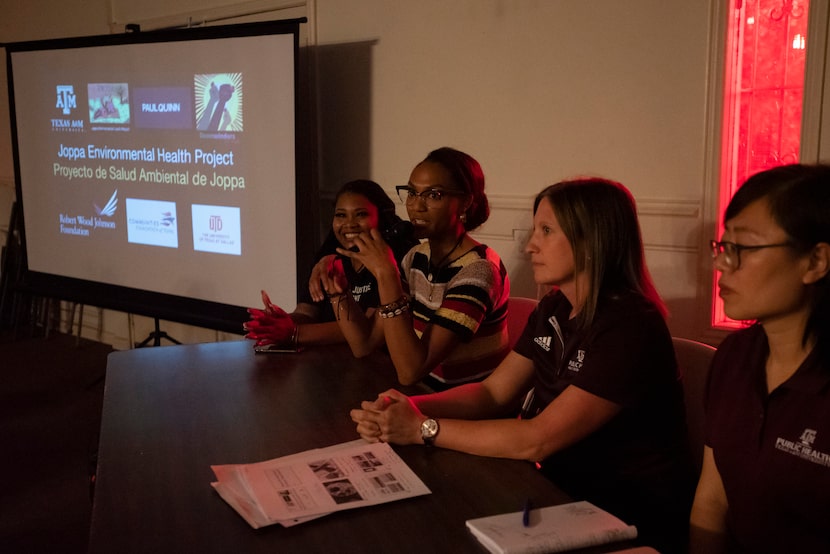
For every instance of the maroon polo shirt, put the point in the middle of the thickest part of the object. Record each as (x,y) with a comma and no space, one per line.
(772,450)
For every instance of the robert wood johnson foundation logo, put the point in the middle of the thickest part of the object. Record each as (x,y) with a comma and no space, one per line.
(82,225)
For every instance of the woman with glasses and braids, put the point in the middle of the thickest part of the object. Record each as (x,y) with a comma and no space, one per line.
(442,317)
(765,481)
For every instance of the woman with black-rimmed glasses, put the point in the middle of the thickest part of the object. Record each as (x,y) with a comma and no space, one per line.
(443,316)
(765,482)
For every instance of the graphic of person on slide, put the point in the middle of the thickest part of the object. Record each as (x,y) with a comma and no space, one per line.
(215,111)
(204,120)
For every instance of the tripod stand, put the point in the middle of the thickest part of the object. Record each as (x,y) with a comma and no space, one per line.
(156,337)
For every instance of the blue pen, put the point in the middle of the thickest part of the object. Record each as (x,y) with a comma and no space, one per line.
(526,514)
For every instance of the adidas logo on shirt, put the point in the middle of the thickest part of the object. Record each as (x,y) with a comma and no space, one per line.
(544,342)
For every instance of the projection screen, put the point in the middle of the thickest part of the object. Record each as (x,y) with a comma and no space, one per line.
(157,172)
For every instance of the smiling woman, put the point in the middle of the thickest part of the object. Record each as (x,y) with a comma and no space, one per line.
(442,315)
(360,206)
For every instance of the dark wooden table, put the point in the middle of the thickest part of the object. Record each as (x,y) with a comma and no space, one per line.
(171,412)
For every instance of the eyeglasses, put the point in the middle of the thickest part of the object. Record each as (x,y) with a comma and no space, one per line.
(432,197)
(732,251)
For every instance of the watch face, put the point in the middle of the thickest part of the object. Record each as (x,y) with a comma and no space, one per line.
(429,428)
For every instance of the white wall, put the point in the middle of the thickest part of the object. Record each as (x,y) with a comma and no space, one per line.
(536,90)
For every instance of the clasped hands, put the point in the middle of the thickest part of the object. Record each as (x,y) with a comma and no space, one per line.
(269,326)
(393,417)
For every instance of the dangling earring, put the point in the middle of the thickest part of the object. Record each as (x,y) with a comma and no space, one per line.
(463,217)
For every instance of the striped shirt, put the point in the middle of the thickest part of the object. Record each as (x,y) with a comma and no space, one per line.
(468,296)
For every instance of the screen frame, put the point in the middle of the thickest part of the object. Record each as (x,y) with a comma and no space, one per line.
(182,309)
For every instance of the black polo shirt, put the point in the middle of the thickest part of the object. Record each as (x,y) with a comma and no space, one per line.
(772,450)
(637,466)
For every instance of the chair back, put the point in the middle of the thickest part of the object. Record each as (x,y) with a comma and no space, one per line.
(693,359)
(519,309)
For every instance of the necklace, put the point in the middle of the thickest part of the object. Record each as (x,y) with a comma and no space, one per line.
(438,265)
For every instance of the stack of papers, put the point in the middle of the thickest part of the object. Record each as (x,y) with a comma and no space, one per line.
(300,487)
(550,529)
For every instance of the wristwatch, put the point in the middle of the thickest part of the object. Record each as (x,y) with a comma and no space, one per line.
(429,430)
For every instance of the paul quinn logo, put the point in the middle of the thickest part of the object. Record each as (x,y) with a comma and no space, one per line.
(803,448)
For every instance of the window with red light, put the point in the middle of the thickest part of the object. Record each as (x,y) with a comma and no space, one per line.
(762,98)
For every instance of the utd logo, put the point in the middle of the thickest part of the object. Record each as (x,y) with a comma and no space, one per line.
(215,223)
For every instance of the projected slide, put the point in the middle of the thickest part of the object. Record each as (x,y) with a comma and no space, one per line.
(161,166)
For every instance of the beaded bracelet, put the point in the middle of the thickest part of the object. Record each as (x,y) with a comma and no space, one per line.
(394,309)
(394,313)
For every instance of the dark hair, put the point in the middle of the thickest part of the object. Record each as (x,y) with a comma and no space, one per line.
(599,218)
(375,194)
(400,240)
(798,197)
(467,175)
